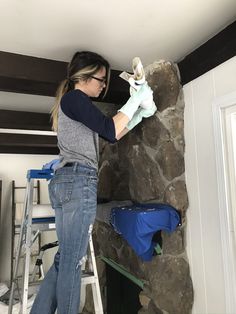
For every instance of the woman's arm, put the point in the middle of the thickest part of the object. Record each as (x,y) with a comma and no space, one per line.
(137,118)
(120,121)
(122,133)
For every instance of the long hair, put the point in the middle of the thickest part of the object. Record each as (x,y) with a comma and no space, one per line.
(83,65)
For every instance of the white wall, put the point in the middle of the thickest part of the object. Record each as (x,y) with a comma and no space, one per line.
(14,167)
(204,245)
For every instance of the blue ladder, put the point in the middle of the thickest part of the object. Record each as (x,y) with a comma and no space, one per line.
(25,238)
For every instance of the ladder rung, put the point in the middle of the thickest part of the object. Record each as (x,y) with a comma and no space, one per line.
(87,273)
(88,279)
(35,283)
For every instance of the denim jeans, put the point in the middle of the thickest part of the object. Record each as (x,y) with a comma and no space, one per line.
(73,195)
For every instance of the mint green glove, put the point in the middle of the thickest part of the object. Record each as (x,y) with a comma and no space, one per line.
(140,114)
(135,100)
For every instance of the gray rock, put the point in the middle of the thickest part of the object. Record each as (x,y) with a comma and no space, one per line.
(147,165)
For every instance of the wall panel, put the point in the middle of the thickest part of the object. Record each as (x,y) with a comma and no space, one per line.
(203,231)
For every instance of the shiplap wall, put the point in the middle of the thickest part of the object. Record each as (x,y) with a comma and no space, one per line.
(204,245)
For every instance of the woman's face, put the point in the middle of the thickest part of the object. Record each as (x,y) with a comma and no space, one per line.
(96,83)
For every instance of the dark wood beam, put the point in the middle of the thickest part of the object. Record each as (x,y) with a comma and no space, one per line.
(28,144)
(30,75)
(215,51)
(39,76)
(10,119)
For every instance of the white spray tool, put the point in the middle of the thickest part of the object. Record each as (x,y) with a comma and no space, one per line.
(136,80)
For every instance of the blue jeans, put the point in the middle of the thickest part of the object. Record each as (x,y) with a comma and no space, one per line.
(73,195)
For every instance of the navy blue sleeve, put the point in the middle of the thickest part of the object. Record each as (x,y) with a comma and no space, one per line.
(78,106)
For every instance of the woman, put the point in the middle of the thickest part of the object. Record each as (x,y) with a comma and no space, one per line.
(73,189)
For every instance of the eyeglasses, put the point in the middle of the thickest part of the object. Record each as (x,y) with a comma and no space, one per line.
(101,80)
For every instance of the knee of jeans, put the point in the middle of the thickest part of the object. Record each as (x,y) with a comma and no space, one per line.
(84,258)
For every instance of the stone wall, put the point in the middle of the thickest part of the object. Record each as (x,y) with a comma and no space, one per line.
(147,165)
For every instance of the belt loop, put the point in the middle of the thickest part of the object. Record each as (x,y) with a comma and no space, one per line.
(75,166)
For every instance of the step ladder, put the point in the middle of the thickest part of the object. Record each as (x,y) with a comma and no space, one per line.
(30,228)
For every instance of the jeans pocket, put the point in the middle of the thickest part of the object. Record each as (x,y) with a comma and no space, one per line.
(60,190)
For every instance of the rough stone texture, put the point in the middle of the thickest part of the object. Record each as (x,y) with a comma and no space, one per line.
(163,78)
(151,309)
(147,165)
(171,284)
(154,132)
(176,195)
(141,182)
(144,300)
(173,243)
(166,277)
(170,161)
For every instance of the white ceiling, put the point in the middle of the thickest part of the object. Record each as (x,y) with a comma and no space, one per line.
(119,30)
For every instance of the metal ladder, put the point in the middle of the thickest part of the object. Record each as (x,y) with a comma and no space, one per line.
(28,232)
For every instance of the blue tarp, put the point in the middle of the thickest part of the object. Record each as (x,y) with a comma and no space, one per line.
(138,223)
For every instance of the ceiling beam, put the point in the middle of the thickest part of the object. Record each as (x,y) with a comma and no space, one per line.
(39,76)
(23,120)
(28,144)
(215,51)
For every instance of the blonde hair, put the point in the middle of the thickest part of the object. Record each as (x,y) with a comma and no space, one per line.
(82,66)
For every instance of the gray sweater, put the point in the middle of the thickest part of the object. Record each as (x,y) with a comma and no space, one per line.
(80,123)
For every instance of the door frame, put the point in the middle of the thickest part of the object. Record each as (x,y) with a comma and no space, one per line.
(219,107)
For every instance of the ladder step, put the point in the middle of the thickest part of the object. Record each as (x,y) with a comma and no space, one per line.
(86,279)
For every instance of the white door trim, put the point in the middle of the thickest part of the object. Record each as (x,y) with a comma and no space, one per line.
(225,214)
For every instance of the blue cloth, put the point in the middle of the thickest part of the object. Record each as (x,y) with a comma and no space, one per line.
(52,164)
(138,223)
